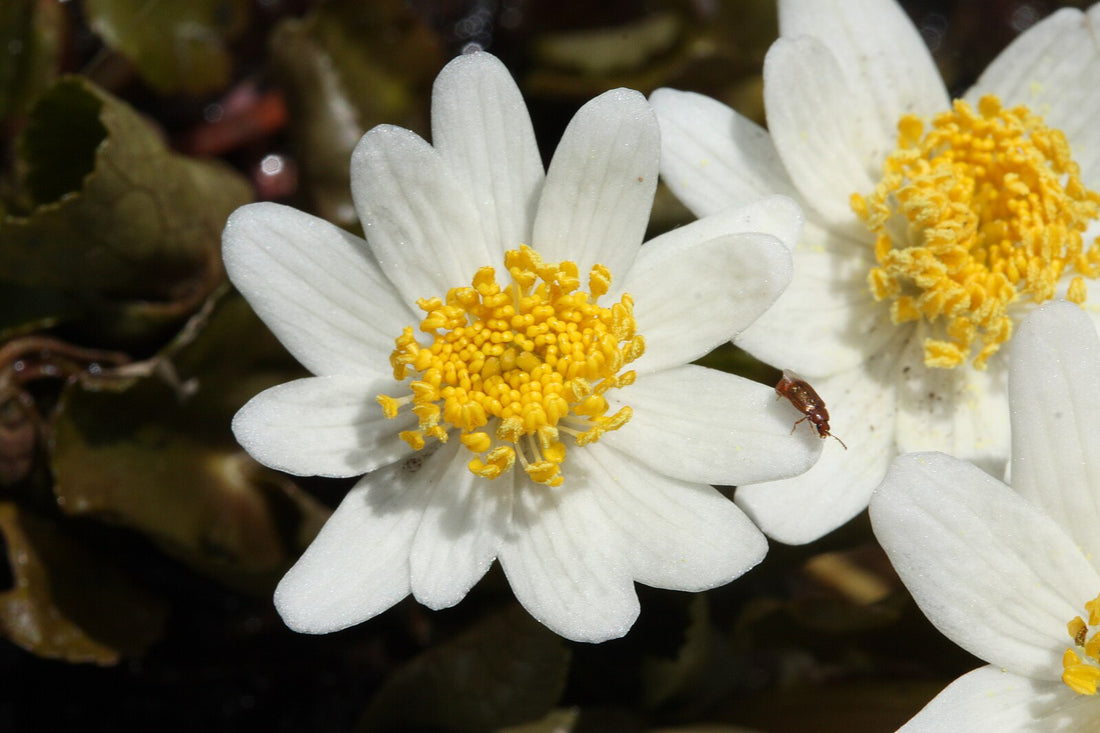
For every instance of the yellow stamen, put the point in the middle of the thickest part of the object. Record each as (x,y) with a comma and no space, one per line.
(508,365)
(984,208)
(1081,664)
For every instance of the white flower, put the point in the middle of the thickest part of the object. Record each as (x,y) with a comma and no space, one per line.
(897,315)
(579,461)
(1013,576)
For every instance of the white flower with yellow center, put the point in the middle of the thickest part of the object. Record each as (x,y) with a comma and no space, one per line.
(510,368)
(932,226)
(1013,576)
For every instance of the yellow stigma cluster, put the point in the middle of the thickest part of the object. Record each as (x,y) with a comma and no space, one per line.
(513,368)
(985,208)
(1081,664)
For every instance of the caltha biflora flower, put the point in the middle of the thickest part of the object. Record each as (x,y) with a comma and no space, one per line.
(1012,575)
(510,368)
(931,226)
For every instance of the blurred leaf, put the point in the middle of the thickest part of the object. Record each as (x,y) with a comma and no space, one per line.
(607,50)
(19,435)
(157,455)
(687,676)
(232,356)
(705,728)
(559,720)
(702,46)
(347,67)
(862,705)
(30,51)
(850,590)
(66,602)
(119,222)
(24,309)
(861,575)
(732,359)
(177,46)
(507,669)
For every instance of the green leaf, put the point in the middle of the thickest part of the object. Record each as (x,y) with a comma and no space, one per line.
(119,222)
(31,35)
(66,602)
(507,669)
(347,67)
(177,46)
(155,454)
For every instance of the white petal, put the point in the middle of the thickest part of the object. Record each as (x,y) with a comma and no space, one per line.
(599,189)
(826,321)
(990,699)
(1055,424)
(705,426)
(316,287)
(779,216)
(988,568)
(712,157)
(804,508)
(677,535)
(323,426)
(463,525)
(961,411)
(878,49)
(567,565)
(481,128)
(420,220)
(826,131)
(1052,68)
(358,566)
(692,296)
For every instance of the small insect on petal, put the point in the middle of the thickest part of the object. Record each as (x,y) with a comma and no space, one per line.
(807,401)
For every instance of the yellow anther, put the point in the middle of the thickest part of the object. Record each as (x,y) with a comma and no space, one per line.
(527,362)
(1078,630)
(591,406)
(389,405)
(619,419)
(1093,607)
(516,360)
(510,429)
(498,461)
(990,208)
(1081,664)
(1092,647)
(477,442)
(413,437)
(943,354)
(599,280)
(545,472)
(1080,677)
(423,391)
(428,412)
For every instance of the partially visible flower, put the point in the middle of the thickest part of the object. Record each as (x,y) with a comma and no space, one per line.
(932,226)
(1013,576)
(511,370)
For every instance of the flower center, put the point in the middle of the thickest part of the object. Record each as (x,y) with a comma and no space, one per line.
(514,368)
(982,209)
(1081,664)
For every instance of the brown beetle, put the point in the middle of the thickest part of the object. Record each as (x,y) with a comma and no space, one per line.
(808,402)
